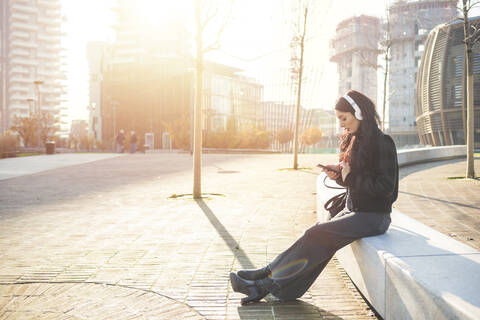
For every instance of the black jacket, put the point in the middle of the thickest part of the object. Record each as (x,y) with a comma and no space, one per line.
(374,187)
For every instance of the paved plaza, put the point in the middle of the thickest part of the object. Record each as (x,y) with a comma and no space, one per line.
(434,194)
(106,239)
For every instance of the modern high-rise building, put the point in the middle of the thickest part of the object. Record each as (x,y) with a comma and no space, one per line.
(410,22)
(31,58)
(355,49)
(440,104)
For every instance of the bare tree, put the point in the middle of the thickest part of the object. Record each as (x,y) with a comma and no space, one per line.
(386,50)
(298,44)
(205,12)
(471,36)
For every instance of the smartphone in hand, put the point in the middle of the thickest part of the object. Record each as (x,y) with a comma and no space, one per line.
(336,170)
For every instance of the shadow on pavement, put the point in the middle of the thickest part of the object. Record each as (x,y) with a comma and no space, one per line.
(439,200)
(413,168)
(273,308)
(90,179)
(238,252)
(284,310)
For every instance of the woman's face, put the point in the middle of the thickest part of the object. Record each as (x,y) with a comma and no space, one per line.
(348,121)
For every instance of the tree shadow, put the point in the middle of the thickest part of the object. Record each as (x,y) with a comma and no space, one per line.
(232,244)
(65,184)
(297,310)
(413,168)
(439,200)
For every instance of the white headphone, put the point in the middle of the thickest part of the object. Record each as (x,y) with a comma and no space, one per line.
(358,112)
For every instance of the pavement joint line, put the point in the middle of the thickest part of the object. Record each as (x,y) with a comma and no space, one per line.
(105,284)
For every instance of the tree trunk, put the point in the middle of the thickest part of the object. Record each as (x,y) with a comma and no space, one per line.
(385,77)
(299,93)
(470,130)
(197,113)
(468,73)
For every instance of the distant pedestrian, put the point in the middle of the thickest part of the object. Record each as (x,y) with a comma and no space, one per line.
(368,169)
(133,142)
(119,140)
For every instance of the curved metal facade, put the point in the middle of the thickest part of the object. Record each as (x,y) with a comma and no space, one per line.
(440,112)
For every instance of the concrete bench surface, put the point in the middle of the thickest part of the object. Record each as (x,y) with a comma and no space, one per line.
(415,272)
(412,271)
(412,156)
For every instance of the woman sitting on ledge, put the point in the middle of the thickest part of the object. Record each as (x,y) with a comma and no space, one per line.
(368,168)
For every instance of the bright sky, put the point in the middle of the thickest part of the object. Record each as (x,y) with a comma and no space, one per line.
(259,34)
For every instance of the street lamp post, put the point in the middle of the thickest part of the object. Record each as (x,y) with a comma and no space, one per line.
(114,109)
(93,122)
(30,108)
(37,83)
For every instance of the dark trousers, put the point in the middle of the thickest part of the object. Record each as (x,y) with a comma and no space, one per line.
(295,269)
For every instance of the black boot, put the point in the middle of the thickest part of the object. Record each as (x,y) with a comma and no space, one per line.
(256,274)
(250,288)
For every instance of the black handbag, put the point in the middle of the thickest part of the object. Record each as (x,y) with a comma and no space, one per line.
(336,203)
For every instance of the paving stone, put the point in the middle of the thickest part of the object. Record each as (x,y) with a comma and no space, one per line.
(451,206)
(112,245)
(78,301)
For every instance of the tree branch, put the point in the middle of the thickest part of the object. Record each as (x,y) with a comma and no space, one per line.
(216,44)
(471,5)
(209,18)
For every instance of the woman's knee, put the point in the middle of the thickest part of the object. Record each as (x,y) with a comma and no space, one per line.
(321,236)
(314,231)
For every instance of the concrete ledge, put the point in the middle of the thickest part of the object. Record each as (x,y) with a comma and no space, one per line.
(413,156)
(412,271)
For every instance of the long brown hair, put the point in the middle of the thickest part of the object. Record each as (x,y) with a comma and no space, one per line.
(368,127)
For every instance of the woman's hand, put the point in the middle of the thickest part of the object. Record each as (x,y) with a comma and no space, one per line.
(331,173)
(345,170)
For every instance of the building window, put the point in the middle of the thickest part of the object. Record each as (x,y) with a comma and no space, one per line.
(476,63)
(458,61)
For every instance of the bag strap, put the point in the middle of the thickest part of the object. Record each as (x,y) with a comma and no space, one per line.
(336,204)
(326,185)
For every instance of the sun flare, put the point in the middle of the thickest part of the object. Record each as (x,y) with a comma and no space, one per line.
(160,12)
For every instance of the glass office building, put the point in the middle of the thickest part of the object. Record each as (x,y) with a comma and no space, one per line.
(440,108)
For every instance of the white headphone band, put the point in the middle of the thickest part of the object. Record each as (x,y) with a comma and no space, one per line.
(358,112)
